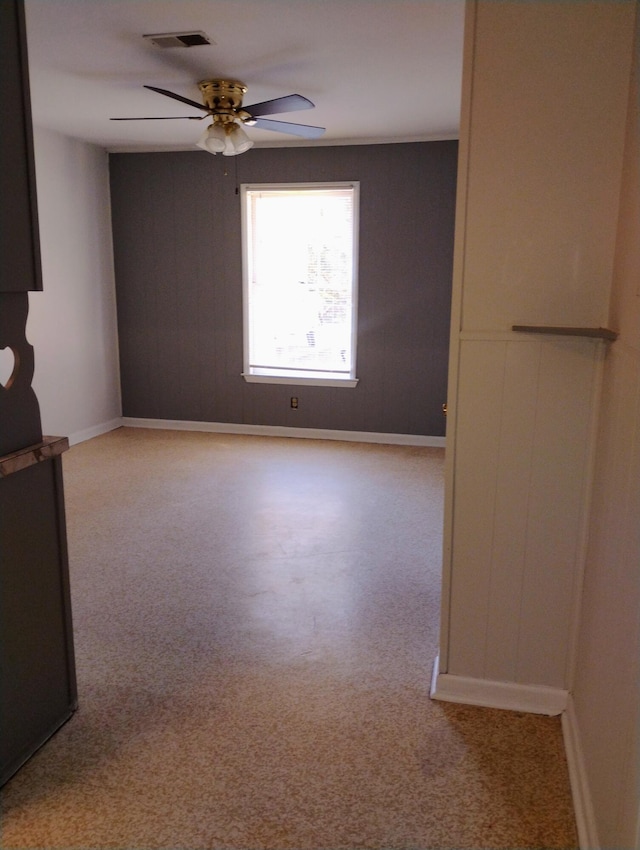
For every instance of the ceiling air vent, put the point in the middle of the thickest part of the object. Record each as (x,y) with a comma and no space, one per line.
(179,39)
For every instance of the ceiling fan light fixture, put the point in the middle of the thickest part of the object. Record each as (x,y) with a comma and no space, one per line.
(223,102)
(213,140)
(237,140)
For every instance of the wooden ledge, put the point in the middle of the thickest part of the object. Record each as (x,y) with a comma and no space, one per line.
(591,333)
(31,455)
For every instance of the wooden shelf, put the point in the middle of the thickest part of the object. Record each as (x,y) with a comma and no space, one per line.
(592,333)
(29,456)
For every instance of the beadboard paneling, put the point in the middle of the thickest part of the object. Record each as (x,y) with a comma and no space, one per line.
(522,443)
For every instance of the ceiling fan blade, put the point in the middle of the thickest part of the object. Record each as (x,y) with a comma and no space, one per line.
(289,103)
(178,97)
(304,130)
(164,118)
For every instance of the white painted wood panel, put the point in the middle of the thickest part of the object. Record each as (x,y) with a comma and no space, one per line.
(542,184)
(557,500)
(547,135)
(517,429)
(481,378)
(522,442)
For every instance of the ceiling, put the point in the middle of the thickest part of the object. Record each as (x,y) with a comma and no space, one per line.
(377,70)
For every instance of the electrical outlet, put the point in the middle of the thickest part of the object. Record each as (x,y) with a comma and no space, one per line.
(294,402)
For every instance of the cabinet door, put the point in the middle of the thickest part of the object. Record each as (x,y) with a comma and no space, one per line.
(37,669)
(19,241)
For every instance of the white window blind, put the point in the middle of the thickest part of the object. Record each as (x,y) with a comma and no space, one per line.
(300,252)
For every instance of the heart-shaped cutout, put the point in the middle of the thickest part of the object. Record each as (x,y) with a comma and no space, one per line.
(8,362)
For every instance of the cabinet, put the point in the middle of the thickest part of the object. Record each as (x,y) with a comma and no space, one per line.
(37,673)
(38,684)
(20,269)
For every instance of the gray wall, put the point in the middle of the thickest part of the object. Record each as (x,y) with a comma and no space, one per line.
(177,244)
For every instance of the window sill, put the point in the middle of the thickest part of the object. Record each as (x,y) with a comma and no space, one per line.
(292,380)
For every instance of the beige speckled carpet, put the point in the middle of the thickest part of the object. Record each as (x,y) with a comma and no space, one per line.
(255,621)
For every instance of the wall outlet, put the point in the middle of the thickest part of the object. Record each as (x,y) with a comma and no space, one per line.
(294,402)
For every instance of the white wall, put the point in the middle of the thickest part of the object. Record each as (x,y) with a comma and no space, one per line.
(542,140)
(607,683)
(542,530)
(72,323)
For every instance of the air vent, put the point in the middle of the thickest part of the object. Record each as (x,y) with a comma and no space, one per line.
(179,39)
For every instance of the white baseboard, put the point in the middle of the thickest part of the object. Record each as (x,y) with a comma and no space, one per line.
(536,699)
(582,803)
(284,431)
(94,431)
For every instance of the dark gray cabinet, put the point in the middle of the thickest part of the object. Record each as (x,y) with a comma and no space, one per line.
(20,269)
(37,672)
(38,685)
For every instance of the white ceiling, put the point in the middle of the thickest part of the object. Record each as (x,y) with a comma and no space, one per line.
(377,70)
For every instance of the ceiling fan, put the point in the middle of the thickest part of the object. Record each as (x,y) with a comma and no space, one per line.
(223,103)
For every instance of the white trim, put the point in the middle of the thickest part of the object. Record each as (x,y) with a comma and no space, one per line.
(456,323)
(250,194)
(582,802)
(292,381)
(94,431)
(285,431)
(536,699)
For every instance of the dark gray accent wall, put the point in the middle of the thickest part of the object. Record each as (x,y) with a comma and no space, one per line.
(177,248)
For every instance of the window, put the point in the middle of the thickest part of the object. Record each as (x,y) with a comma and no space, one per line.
(300,294)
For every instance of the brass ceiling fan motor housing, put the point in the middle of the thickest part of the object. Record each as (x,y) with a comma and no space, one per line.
(224,99)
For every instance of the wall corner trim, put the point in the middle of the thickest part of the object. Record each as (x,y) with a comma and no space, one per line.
(582,801)
(535,699)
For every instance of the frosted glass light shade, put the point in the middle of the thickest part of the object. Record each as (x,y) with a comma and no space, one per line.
(237,141)
(213,139)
